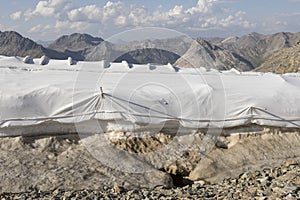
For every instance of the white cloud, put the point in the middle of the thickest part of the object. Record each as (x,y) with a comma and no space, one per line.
(137,15)
(121,21)
(236,20)
(40,28)
(112,9)
(28,14)
(288,22)
(117,16)
(176,11)
(48,8)
(203,6)
(47,31)
(68,26)
(2,27)
(281,23)
(87,13)
(16,15)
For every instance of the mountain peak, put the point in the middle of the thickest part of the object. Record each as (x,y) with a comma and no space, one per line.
(203,54)
(75,42)
(207,44)
(255,34)
(11,34)
(14,44)
(204,43)
(283,61)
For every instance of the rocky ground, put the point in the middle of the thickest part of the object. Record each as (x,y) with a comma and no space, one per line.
(286,60)
(278,183)
(128,166)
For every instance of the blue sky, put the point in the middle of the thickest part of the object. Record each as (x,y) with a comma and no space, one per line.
(48,19)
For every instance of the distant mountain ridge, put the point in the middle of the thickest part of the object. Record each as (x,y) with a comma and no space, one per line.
(75,42)
(244,53)
(13,44)
(256,47)
(286,60)
(75,45)
(204,54)
(44,43)
(160,51)
(87,47)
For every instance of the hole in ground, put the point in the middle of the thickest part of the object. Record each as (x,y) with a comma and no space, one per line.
(178,179)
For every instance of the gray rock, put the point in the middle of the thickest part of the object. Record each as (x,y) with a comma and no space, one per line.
(256,48)
(25,167)
(203,54)
(14,44)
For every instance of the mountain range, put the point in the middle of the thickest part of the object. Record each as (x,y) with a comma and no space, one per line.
(256,48)
(283,61)
(204,54)
(276,52)
(14,44)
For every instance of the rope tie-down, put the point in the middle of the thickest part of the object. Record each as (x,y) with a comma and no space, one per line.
(101,93)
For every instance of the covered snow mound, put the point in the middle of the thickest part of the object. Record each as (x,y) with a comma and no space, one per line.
(139,97)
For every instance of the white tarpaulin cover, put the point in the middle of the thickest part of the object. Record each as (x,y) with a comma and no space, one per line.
(142,95)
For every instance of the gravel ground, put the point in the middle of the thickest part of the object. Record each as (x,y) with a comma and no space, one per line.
(278,183)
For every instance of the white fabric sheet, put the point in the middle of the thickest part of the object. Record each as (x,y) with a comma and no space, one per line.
(143,95)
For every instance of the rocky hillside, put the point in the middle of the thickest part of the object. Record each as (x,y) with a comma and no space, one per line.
(284,61)
(203,54)
(75,45)
(256,48)
(281,182)
(237,166)
(14,44)
(161,51)
(87,47)
(276,52)
(75,42)
(149,55)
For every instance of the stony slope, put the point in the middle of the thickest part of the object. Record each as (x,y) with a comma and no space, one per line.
(65,162)
(284,61)
(203,54)
(141,52)
(256,48)
(270,183)
(75,42)
(47,163)
(14,44)
(149,55)
(75,45)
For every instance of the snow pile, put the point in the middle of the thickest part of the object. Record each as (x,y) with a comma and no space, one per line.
(44,60)
(71,61)
(27,60)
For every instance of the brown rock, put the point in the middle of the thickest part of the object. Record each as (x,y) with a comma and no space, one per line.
(298,181)
(117,189)
(289,162)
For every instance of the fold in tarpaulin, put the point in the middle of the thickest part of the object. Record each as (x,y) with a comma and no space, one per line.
(31,94)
